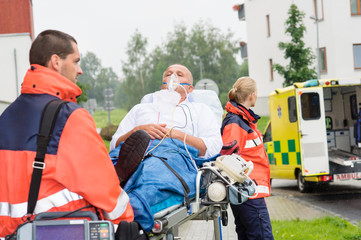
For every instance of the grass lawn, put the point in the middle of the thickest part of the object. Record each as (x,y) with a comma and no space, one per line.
(262,123)
(326,228)
(101,118)
(107,143)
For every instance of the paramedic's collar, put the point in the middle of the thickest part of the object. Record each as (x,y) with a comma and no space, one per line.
(43,80)
(239,109)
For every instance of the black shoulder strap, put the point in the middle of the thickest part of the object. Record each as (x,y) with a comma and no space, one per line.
(47,122)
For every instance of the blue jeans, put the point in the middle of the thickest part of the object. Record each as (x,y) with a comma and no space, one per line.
(252,220)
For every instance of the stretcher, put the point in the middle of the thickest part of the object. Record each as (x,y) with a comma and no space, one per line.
(210,203)
(201,208)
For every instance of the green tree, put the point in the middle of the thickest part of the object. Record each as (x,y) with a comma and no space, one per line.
(95,79)
(243,71)
(106,78)
(216,54)
(83,97)
(91,66)
(120,96)
(135,69)
(300,57)
(202,47)
(157,63)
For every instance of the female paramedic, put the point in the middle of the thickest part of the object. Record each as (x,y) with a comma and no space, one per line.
(240,124)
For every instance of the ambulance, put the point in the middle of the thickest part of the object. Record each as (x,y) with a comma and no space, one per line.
(314,133)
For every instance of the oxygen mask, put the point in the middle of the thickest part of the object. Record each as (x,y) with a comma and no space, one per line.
(173,85)
(173,82)
(168,98)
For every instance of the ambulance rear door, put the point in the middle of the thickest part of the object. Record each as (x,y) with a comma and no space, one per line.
(312,131)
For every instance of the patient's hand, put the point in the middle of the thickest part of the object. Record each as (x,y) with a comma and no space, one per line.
(189,139)
(156,131)
(175,133)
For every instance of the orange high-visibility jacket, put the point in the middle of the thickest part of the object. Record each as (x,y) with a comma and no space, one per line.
(78,170)
(241,124)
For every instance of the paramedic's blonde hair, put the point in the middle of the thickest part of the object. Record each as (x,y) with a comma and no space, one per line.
(241,89)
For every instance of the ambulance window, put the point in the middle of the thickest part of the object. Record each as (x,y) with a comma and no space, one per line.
(292,109)
(310,103)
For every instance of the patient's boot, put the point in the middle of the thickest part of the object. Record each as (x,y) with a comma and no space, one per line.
(131,154)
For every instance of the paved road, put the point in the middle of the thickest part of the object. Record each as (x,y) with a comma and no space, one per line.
(282,205)
(339,198)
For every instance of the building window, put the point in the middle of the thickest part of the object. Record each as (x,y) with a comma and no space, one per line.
(355,7)
(323,60)
(271,69)
(318,5)
(357,55)
(268,26)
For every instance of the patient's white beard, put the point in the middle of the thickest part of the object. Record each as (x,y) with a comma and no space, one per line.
(166,100)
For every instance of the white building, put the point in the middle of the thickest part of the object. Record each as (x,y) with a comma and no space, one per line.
(339,39)
(14,62)
(16,34)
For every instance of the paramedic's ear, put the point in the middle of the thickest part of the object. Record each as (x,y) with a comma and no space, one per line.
(253,98)
(54,63)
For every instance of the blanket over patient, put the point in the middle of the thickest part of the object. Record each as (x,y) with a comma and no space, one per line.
(153,187)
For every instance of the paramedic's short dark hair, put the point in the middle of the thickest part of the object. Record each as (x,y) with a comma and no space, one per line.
(50,42)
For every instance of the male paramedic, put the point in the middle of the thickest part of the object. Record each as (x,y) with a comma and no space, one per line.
(78,172)
(172,115)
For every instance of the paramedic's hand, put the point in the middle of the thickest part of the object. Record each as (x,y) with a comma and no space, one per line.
(156,131)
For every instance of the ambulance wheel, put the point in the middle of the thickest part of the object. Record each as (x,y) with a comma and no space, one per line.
(302,184)
(224,218)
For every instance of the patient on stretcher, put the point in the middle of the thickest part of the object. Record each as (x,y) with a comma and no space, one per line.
(171,132)
(165,177)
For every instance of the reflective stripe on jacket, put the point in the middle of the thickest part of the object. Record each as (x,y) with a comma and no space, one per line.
(241,124)
(78,170)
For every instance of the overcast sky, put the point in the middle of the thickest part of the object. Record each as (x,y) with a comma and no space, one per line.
(104,27)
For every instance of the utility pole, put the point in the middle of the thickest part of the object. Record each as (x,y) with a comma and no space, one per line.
(318,50)
(317,37)
(109,105)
